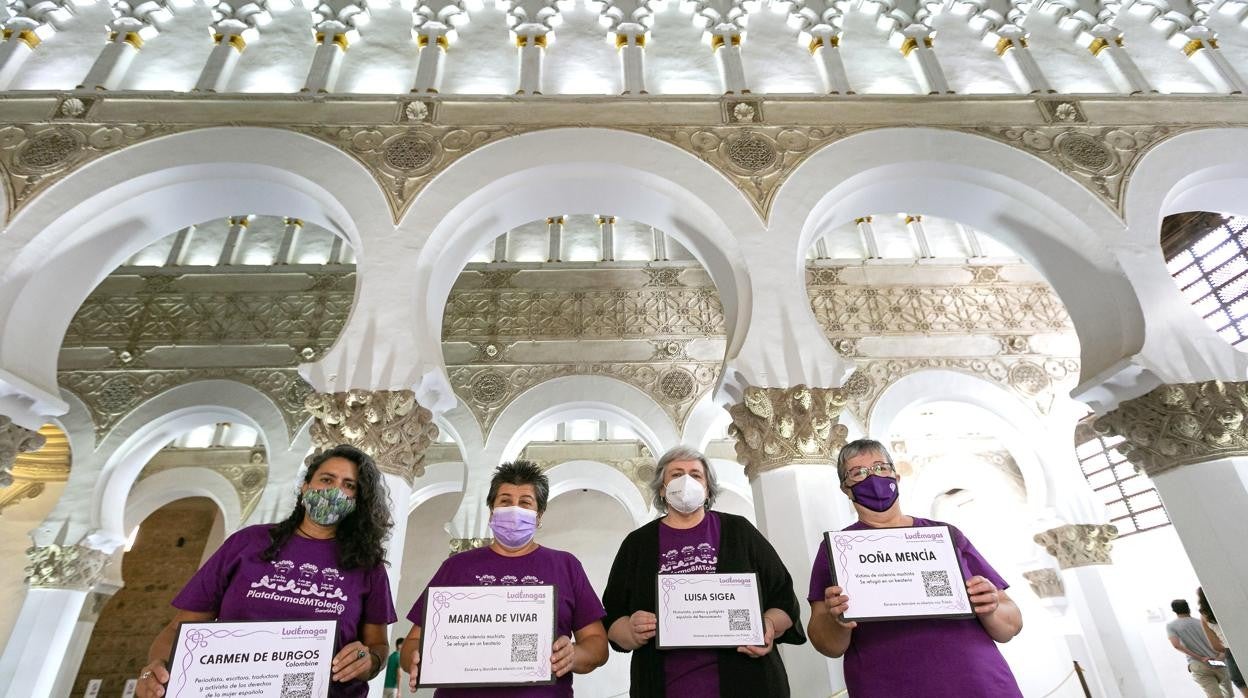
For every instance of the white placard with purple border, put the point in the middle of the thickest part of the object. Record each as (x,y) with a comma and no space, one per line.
(709,610)
(895,573)
(488,636)
(252,659)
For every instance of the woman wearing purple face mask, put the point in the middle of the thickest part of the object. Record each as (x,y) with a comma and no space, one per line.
(517,499)
(955,658)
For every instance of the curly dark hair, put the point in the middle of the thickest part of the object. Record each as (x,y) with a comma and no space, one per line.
(362,533)
(1205,609)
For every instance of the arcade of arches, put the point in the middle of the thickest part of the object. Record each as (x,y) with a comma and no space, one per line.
(1022,265)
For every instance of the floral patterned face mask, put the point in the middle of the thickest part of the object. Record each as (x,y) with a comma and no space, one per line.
(328,506)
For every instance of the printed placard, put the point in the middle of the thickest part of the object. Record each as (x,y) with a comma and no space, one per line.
(893,573)
(709,610)
(488,636)
(252,659)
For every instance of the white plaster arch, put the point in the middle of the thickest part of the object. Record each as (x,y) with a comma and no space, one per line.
(706,421)
(64,241)
(138,437)
(580,397)
(462,426)
(167,486)
(530,177)
(439,479)
(1058,225)
(578,474)
(1195,171)
(730,477)
(78,426)
(1023,432)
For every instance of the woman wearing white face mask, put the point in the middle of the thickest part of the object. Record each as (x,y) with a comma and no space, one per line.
(517,499)
(691,539)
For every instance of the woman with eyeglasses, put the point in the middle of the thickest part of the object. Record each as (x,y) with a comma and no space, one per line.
(953,658)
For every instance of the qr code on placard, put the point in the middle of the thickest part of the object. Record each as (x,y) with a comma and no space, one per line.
(298,685)
(524,647)
(936,583)
(738,620)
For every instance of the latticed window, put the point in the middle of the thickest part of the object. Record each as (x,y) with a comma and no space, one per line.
(1131,498)
(1207,254)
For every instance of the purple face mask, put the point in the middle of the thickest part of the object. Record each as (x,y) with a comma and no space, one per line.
(875,493)
(513,527)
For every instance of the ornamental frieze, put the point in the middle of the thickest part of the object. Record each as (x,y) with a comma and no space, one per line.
(14,441)
(388,425)
(925,309)
(676,386)
(775,427)
(1180,424)
(1079,545)
(74,567)
(112,394)
(1046,583)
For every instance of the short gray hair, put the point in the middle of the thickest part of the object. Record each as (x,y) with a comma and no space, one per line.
(856,448)
(520,473)
(673,455)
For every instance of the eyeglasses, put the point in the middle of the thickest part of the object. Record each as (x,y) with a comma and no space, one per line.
(877,468)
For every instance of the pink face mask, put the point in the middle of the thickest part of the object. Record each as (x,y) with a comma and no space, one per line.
(513,527)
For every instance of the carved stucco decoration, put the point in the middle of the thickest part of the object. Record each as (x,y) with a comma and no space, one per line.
(459,545)
(756,158)
(1046,583)
(1079,545)
(676,385)
(112,394)
(775,427)
(35,155)
(388,425)
(1100,158)
(248,478)
(405,158)
(1180,424)
(14,441)
(1035,379)
(74,567)
(34,469)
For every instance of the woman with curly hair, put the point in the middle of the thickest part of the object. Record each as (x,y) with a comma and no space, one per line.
(331,543)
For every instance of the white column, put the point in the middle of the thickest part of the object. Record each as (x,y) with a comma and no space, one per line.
(290,238)
(14,50)
(110,67)
(915,43)
(607,225)
(177,251)
(238,225)
(868,237)
(433,46)
(500,247)
(1012,48)
(221,62)
(1207,502)
(660,245)
(632,47)
(81,638)
(554,239)
(1106,44)
(1200,45)
(41,638)
(794,505)
(915,225)
(972,241)
(826,50)
(532,48)
(332,41)
(727,47)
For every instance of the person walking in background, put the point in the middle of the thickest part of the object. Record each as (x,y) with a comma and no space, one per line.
(392,672)
(1188,636)
(1217,638)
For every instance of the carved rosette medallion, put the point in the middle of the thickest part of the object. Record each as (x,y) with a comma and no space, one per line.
(1079,545)
(775,427)
(1181,424)
(388,425)
(14,441)
(1046,583)
(73,567)
(459,545)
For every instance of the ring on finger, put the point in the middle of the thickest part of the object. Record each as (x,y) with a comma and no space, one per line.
(145,675)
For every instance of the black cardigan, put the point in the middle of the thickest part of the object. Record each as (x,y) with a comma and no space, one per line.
(633,586)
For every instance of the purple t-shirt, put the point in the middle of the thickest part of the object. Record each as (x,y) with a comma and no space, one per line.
(579,606)
(690,673)
(305,582)
(933,658)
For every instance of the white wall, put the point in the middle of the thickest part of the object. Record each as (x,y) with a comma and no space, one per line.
(15,522)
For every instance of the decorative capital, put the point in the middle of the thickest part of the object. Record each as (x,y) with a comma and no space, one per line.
(459,545)
(775,427)
(14,441)
(388,425)
(73,567)
(1079,545)
(1181,424)
(1046,583)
